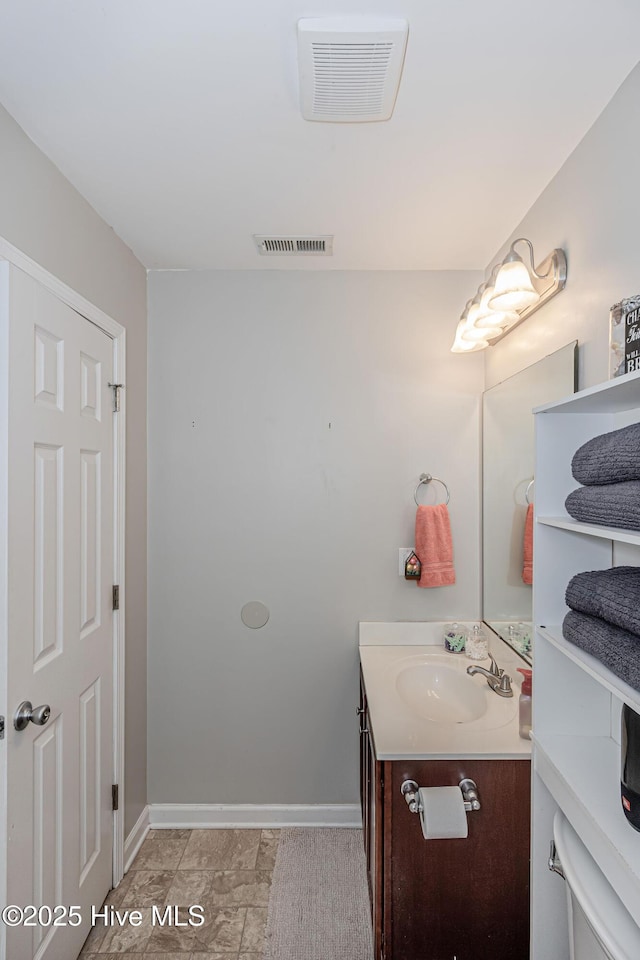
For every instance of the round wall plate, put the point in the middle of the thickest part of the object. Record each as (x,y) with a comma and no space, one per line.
(254,614)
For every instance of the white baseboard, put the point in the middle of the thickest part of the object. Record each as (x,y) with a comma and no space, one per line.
(211,815)
(136,837)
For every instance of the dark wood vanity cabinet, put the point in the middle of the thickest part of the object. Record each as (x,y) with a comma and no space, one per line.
(444,899)
(371,785)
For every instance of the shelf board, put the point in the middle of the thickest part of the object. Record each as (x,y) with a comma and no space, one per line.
(592,529)
(583,775)
(592,666)
(612,396)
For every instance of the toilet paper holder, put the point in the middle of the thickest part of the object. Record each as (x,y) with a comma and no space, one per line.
(409,790)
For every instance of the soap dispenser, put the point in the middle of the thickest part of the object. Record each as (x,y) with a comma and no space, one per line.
(524,705)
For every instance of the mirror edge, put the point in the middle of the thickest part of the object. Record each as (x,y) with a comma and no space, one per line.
(528,658)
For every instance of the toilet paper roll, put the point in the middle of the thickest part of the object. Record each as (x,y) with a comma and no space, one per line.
(442,813)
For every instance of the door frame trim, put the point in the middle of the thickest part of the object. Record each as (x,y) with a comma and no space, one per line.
(117,333)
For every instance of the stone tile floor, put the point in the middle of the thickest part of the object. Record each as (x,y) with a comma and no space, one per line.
(227,872)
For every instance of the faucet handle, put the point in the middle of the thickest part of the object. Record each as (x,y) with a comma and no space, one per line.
(505,684)
(495,669)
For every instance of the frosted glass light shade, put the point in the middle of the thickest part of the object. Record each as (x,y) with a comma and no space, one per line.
(476,333)
(466,346)
(471,330)
(514,289)
(472,313)
(486,317)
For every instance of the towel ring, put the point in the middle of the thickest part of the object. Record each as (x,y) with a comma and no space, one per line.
(526,493)
(427,478)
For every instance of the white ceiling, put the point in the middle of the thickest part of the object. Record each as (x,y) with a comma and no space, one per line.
(178,120)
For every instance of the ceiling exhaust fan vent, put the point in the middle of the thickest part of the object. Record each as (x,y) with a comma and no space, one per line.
(294,246)
(350,67)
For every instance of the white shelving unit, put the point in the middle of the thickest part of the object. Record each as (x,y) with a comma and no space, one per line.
(592,529)
(577,700)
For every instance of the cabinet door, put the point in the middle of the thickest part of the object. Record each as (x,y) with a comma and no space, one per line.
(371,786)
(365,771)
(374,842)
(466,898)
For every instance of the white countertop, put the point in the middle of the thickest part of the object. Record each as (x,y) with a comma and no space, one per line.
(386,649)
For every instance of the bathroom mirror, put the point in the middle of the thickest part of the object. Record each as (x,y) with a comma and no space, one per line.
(508,484)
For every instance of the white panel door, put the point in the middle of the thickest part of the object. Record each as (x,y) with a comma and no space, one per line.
(60,621)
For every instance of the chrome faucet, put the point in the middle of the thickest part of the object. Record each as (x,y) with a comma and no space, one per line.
(498,680)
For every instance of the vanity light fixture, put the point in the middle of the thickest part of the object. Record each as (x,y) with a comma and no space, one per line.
(511,294)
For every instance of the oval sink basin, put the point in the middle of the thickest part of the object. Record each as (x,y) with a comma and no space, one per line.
(443,694)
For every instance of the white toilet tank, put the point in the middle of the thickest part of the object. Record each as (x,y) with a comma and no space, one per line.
(600,927)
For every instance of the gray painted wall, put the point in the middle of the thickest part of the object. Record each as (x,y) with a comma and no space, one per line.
(290,415)
(47,219)
(591,208)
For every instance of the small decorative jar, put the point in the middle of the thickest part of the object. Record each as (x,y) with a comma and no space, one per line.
(520,637)
(524,629)
(455,637)
(477,644)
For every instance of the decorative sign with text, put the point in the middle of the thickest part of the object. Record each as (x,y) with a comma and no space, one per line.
(624,337)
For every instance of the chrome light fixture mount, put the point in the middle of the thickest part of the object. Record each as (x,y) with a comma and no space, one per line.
(512,293)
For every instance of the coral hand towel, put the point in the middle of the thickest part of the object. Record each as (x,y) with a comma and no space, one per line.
(434,547)
(527,551)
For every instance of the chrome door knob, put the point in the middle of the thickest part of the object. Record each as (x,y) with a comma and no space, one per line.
(27,712)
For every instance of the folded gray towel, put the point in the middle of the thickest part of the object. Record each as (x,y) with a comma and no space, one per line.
(617,649)
(612,504)
(610,458)
(613,595)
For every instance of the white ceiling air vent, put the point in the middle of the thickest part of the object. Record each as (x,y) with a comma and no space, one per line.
(350,67)
(307,246)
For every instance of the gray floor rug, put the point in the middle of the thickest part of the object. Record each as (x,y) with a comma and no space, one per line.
(319,903)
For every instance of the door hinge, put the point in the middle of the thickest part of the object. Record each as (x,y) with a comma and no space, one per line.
(116,387)
(115,596)
(114,796)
